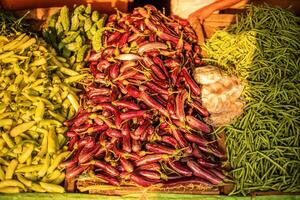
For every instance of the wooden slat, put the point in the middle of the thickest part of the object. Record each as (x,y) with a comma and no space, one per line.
(125,190)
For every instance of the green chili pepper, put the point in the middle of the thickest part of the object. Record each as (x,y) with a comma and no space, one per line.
(39,111)
(27,150)
(59,179)
(52,141)
(96,40)
(11,169)
(81,53)
(46,164)
(2,174)
(95,16)
(37,188)
(21,128)
(61,157)
(74,22)
(73,101)
(56,116)
(10,143)
(26,182)
(64,16)
(71,36)
(31,168)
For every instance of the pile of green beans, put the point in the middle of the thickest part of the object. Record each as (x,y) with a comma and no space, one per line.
(263,144)
(37,95)
(73,33)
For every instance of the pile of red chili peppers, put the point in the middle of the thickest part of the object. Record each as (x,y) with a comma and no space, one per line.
(141,121)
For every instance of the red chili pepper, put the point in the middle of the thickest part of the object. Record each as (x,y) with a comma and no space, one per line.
(142,181)
(218,173)
(179,167)
(196,152)
(113,37)
(139,76)
(121,87)
(212,151)
(126,145)
(127,74)
(126,165)
(170,140)
(160,63)
(134,114)
(150,159)
(167,37)
(96,128)
(86,140)
(191,83)
(127,65)
(81,129)
(174,75)
(150,25)
(179,137)
(133,37)
(81,119)
(114,71)
(136,146)
(87,154)
(111,108)
(71,134)
(92,91)
(126,155)
(180,102)
(157,148)
(102,65)
(157,88)
(152,175)
(132,91)
(196,139)
(114,133)
(151,167)
(148,100)
(124,39)
(208,164)
(75,172)
(171,104)
(197,124)
(203,173)
(197,105)
(108,179)
(71,162)
(126,104)
(100,99)
(107,168)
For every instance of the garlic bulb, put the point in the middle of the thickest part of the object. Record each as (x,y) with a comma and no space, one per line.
(220,94)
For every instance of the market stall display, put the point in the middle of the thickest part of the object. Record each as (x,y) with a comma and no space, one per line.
(96,102)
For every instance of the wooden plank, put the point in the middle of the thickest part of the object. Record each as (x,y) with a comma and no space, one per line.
(130,189)
(221,18)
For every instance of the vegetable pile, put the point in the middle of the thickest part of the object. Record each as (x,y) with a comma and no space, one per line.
(36,97)
(71,33)
(141,120)
(263,145)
